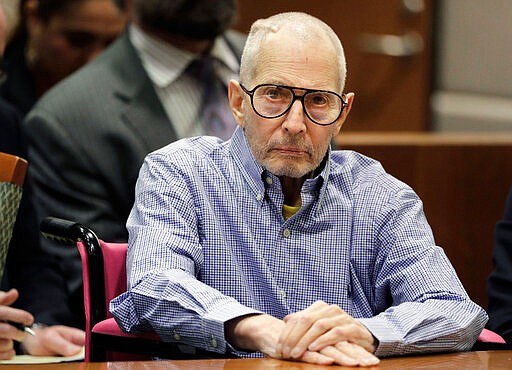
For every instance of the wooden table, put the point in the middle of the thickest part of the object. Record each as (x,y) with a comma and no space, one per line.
(481,360)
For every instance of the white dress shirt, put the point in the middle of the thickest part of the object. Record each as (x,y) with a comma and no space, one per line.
(180,93)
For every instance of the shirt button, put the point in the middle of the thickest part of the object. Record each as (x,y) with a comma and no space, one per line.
(283,294)
(177,336)
(269,180)
(214,342)
(287,233)
(259,197)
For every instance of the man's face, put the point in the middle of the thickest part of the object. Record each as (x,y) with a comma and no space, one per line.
(292,145)
(193,19)
(70,39)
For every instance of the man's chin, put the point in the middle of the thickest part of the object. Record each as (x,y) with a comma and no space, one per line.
(289,170)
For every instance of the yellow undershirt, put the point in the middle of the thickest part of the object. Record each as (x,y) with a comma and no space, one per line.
(289,211)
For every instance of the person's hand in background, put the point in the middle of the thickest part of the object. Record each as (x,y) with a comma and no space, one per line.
(56,340)
(9,333)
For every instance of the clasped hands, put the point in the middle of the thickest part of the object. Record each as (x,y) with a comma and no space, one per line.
(321,334)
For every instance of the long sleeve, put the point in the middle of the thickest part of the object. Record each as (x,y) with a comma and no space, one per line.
(422,306)
(164,266)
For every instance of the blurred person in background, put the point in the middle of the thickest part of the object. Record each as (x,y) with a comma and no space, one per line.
(25,255)
(53,39)
(11,13)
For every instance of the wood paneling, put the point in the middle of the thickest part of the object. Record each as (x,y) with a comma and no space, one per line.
(463,180)
(391,92)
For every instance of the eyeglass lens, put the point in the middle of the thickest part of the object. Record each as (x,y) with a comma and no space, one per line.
(322,107)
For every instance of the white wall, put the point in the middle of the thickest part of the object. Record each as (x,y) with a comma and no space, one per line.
(474,66)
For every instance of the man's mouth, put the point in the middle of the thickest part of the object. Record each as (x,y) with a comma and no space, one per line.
(290,151)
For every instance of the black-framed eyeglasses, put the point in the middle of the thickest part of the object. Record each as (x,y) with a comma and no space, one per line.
(322,107)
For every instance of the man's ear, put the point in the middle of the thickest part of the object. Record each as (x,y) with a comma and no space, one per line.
(349,99)
(236,99)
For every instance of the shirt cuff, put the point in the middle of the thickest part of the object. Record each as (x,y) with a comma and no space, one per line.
(213,325)
(387,340)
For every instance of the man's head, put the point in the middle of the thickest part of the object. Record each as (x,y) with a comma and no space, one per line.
(62,35)
(193,19)
(297,50)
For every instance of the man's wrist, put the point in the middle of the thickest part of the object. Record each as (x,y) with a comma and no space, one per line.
(236,332)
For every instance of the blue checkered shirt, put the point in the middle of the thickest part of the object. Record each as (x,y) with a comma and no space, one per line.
(208,243)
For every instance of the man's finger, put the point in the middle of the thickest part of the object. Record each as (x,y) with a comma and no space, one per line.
(298,324)
(9,297)
(349,354)
(11,333)
(341,329)
(73,335)
(316,358)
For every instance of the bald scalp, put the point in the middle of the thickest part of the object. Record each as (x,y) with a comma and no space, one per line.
(303,27)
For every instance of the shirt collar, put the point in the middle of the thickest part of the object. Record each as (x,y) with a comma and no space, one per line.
(164,63)
(242,155)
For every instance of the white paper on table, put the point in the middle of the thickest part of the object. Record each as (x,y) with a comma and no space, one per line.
(28,359)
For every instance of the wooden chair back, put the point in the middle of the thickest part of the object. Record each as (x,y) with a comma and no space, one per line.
(12,176)
(12,169)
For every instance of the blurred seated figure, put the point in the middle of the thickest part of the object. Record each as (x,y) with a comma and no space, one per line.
(30,264)
(499,284)
(145,91)
(53,39)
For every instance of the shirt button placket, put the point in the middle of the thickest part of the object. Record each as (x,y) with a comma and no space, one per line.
(287,233)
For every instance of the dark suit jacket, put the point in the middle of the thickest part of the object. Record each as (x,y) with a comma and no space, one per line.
(499,284)
(87,139)
(26,264)
(11,140)
(19,88)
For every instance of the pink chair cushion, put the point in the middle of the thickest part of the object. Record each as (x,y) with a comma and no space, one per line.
(110,327)
(114,266)
(489,336)
(114,261)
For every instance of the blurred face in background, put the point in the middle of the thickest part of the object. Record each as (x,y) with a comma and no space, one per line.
(3,30)
(62,41)
(192,19)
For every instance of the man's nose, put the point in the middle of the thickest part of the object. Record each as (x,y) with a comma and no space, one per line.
(295,119)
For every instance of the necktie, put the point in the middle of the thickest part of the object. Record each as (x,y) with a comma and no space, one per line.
(214,113)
